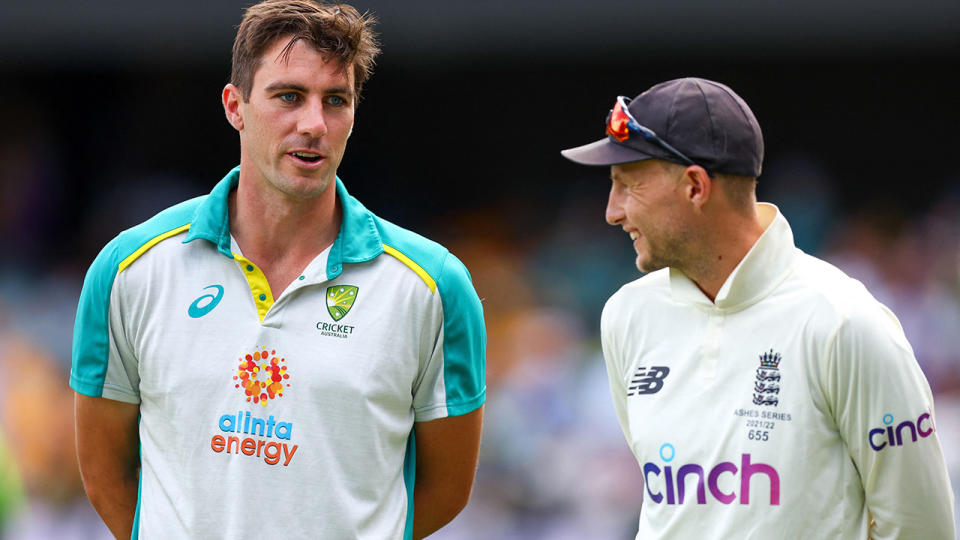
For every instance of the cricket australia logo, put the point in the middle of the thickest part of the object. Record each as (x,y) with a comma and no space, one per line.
(340,299)
(648,380)
(766,388)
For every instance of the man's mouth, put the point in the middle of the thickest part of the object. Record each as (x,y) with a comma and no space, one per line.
(308,157)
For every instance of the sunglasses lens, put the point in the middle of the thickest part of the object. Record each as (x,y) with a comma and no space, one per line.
(617,123)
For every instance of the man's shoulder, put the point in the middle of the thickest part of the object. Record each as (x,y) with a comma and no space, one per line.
(428,258)
(424,251)
(130,243)
(173,217)
(641,294)
(647,286)
(836,296)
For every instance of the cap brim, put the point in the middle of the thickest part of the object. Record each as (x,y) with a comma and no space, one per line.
(604,152)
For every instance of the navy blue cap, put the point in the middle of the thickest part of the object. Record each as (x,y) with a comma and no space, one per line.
(705,120)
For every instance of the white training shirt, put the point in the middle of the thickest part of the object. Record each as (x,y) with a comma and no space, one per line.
(791,407)
(288,417)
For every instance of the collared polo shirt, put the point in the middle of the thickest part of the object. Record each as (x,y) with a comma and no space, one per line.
(286,417)
(789,407)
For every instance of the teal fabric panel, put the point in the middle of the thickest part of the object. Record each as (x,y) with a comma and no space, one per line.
(91,340)
(410,480)
(135,530)
(464,339)
(359,237)
(465,336)
(211,219)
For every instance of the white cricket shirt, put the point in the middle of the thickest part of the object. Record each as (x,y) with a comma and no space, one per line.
(287,417)
(791,407)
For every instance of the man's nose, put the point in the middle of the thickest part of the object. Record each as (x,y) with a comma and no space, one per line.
(614,213)
(312,122)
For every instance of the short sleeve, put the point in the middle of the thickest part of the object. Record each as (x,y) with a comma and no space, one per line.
(458,364)
(103,365)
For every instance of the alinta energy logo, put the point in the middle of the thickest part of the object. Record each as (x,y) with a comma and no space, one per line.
(261,377)
(340,299)
(666,482)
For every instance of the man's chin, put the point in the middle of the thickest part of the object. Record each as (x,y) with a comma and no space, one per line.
(305,187)
(646,266)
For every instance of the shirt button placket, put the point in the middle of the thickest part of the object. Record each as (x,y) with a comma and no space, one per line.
(711,345)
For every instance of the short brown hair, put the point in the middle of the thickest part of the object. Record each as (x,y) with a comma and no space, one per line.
(740,190)
(337,31)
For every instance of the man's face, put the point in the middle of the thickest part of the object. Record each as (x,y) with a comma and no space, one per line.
(649,204)
(295,125)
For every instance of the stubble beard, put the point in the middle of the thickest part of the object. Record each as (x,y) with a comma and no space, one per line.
(674,249)
(297,185)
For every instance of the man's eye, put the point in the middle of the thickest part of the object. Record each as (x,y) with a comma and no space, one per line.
(289,97)
(337,101)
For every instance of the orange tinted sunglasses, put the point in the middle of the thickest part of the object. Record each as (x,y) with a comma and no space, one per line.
(621,125)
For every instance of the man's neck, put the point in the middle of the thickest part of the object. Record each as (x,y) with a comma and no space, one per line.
(282,234)
(729,243)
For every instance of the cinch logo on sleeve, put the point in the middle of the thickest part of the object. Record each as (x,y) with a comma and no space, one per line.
(648,380)
(721,480)
(880,438)
(205,303)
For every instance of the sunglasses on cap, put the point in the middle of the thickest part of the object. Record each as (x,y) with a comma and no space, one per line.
(621,124)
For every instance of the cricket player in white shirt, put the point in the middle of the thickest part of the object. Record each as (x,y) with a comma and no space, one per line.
(764,393)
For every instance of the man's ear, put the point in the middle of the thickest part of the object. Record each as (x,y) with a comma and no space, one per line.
(698,185)
(231,106)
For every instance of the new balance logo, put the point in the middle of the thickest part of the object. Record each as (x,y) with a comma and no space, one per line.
(648,380)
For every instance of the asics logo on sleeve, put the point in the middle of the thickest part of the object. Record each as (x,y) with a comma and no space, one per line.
(205,303)
(648,380)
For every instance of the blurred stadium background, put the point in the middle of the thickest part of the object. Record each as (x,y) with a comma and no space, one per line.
(110,112)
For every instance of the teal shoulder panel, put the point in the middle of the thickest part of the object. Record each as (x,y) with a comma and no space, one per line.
(464,333)
(428,254)
(91,340)
(464,339)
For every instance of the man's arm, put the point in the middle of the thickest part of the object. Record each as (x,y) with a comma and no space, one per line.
(876,384)
(108,448)
(447,451)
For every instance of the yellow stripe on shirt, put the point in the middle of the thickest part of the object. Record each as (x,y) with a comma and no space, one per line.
(146,247)
(413,266)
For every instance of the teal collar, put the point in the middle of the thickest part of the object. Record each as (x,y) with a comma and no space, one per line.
(358,240)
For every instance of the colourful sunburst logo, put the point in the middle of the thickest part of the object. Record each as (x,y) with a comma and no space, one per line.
(261,376)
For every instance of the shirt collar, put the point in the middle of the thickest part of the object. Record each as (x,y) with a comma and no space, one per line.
(765,266)
(358,240)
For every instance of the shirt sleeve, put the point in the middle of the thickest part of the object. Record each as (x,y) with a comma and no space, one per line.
(103,364)
(613,358)
(456,380)
(884,411)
